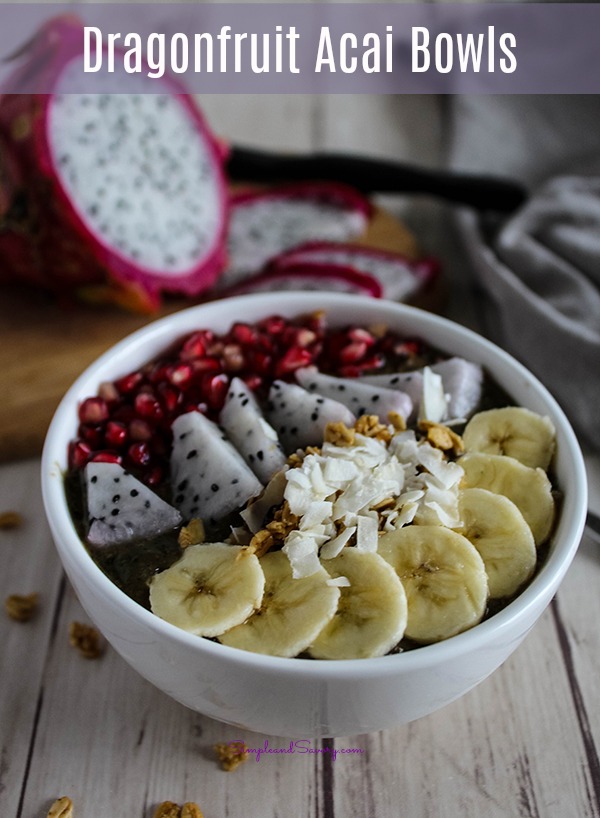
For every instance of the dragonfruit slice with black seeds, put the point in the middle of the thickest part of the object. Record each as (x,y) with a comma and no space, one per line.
(266,223)
(246,427)
(121,509)
(399,278)
(126,195)
(209,477)
(410,383)
(360,398)
(309,276)
(462,381)
(300,418)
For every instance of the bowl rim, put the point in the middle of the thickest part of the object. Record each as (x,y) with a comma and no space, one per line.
(72,550)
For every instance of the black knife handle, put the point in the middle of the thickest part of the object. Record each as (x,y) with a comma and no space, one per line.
(484,193)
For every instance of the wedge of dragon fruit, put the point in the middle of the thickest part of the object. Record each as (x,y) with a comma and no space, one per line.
(311,276)
(264,224)
(360,398)
(125,193)
(462,382)
(399,278)
(121,509)
(300,417)
(246,427)
(209,478)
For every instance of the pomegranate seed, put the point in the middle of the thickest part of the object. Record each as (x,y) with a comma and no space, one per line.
(361,336)
(155,476)
(93,435)
(274,325)
(179,375)
(195,345)
(253,382)
(115,435)
(195,407)
(158,374)
(79,454)
(374,362)
(108,392)
(170,397)
(233,357)
(350,371)
(207,365)
(129,383)
(139,454)
(124,414)
(215,349)
(106,457)
(140,430)
(305,337)
(215,389)
(316,322)
(353,352)
(262,363)
(244,334)
(93,411)
(148,407)
(294,358)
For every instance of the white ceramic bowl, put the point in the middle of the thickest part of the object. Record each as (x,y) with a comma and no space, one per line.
(302,698)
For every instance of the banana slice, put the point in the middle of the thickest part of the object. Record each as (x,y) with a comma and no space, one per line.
(444,578)
(497,529)
(208,590)
(529,489)
(292,614)
(513,431)
(371,614)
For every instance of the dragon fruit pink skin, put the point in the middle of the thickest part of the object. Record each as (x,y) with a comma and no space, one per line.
(360,398)
(246,427)
(300,418)
(309,276)
(399,278)
(209,478)
(120,508)
(266,223)
(70,248)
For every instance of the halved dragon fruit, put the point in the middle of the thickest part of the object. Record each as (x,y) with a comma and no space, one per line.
(360,398)
(399,278)
(300,418)
(462,382)
(209,478)
(264,224)
(125,192)
(309,276)
(120,508)
(246,427)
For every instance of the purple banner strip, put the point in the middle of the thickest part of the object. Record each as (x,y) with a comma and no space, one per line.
(302,48)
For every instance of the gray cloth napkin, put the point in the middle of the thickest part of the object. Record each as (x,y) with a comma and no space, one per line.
(541,268)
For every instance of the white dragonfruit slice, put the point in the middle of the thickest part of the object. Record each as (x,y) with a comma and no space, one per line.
(246,427)
(463,383)
(410,383)
(265,223)
(209,477)
(120,508)
(360,398)
(300,418)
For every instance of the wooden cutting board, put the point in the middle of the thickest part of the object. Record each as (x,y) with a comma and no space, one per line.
(44,347)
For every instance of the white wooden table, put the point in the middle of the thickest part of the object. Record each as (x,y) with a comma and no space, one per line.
(523,744)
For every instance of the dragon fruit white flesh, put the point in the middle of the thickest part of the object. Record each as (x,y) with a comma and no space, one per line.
(125,192)
(360,398)
(300,418)
(120,508)
(399,278)
(245,426)
(209,478)
(462,382)
(264,224)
